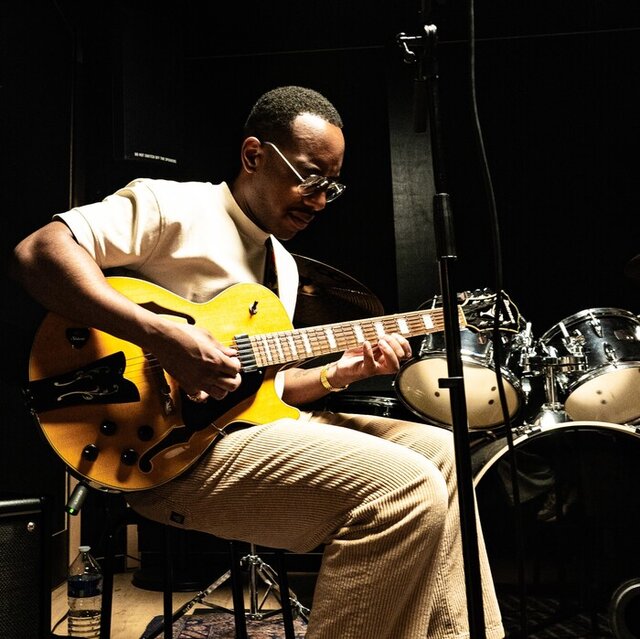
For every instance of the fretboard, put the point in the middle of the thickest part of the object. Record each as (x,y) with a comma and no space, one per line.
(282,347)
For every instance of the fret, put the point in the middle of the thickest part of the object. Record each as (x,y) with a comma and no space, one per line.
(343,335)
(289,346)
(278,345)
(266,350)
(368,331)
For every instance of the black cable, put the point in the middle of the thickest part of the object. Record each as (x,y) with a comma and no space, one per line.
(498,351)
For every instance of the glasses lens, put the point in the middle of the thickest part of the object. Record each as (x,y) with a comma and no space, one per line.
(315,183)
(312,184)
(334,190)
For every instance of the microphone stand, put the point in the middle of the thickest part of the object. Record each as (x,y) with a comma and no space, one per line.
(445,247)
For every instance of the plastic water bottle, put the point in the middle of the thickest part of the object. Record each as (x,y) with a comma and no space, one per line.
(84,592)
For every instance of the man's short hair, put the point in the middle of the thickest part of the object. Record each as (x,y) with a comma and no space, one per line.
(273,114)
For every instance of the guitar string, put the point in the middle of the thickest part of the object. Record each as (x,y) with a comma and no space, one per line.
(317,338)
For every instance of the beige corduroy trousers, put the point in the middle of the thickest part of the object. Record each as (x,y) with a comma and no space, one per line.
(379,493)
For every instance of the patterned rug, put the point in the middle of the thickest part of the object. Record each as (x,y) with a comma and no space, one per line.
(220,625)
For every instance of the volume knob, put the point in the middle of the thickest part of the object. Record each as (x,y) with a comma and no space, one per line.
(129,457)
(90,452)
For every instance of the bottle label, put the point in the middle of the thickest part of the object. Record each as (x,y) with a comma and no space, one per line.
(84,585)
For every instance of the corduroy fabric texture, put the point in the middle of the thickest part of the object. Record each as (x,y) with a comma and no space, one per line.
(381,494)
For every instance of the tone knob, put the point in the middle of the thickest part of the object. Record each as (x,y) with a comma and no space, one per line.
(90,452)
(108,427)
(129,457)
(145,433)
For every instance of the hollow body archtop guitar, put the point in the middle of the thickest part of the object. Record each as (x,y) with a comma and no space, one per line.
(117,419)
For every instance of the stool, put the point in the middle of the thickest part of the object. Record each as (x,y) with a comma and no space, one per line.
(119,514)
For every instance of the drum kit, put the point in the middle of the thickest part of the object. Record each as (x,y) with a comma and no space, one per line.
(582,374)
(585,367)
(578,383)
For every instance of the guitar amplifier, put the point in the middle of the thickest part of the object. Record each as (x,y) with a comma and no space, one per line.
(25,581)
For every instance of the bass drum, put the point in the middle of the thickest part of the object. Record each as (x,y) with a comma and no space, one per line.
(609,388)
(579,514)
(417,381)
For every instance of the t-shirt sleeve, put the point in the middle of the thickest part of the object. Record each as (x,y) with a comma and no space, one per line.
(122,230)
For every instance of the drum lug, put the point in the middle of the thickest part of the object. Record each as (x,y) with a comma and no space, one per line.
(572,342)
(609,352)
(596,325)
(575,344)
(426,346)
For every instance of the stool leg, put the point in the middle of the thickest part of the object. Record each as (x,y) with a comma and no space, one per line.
(107,585)
(285,599)
(237,591)
(115,518)
(167,594)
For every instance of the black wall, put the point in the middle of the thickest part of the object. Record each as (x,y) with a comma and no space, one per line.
(557,97)
(36,131)
(557,114)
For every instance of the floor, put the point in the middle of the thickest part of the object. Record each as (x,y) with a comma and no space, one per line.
(134,607)
(545,616)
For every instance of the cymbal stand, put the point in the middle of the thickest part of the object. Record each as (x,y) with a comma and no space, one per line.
(257,570)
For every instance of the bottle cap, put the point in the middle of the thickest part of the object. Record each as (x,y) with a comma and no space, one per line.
(84,548)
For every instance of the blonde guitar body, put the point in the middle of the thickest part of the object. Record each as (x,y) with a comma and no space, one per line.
(121,434)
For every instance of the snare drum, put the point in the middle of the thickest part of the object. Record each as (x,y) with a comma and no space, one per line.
(366,404)
(608,387)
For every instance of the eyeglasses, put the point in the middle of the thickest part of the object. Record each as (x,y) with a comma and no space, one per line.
(309,186)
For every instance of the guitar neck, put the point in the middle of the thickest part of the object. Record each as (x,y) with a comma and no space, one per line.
(282,347)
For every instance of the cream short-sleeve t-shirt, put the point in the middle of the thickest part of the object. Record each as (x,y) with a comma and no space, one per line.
(191,238)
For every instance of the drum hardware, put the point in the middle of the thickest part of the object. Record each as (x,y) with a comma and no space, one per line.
(258,570)
(595,324)
(624,610)
(525,343)
(574,344)
(553,411)
(365,404)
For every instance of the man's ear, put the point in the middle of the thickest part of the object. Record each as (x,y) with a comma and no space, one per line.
(251,154)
